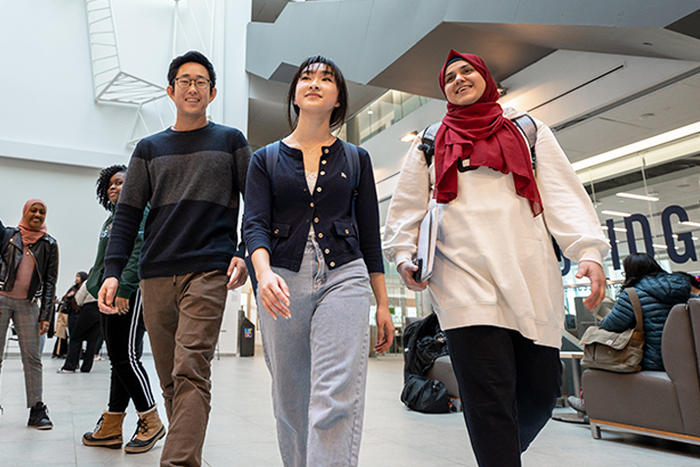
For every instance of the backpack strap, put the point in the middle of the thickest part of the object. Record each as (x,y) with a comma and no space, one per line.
(428,142)
(353,158)
(272,152)
(528,127)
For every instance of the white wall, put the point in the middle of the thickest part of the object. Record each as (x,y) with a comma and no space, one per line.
(74,218)
(54,139)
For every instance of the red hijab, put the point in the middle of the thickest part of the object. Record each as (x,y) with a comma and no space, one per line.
(480,133)
(29,235)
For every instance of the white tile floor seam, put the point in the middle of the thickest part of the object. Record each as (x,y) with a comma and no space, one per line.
(242,428)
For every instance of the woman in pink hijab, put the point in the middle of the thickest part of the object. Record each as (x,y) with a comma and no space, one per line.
(28,271)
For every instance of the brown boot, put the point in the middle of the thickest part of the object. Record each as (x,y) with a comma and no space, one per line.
(108,432)
(148,431)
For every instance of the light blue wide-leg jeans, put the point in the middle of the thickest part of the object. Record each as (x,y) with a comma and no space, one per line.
(318,362)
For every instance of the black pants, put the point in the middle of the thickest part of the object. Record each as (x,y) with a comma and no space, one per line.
(129,380)
(508,386)
(60,348)
(85,328)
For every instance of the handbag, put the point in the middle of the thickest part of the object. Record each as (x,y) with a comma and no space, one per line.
(621,352)
(425,395)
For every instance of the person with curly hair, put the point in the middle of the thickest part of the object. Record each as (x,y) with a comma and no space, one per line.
(123,333)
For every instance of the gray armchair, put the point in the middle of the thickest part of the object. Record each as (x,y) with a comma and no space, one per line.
(663,404)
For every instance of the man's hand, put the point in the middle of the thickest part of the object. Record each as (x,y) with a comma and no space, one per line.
(406,270)
(105,297)
(594,272)
(238,272)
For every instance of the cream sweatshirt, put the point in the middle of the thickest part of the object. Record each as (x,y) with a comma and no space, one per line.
(495,264)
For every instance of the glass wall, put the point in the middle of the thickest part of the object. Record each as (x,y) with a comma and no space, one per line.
(388,109)
(648,201)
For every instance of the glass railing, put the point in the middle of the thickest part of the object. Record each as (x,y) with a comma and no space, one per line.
(376,117)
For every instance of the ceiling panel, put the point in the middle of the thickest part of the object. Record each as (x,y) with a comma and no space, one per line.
(671,107)
(598,135)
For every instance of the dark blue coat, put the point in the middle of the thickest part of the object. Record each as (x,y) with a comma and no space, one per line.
(657,295)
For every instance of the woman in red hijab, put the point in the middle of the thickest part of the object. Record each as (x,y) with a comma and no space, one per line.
(496,285)
(28,271)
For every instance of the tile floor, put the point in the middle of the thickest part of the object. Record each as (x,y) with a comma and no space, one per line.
(242,431)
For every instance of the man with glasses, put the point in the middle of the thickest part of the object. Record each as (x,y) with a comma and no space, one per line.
(191,174)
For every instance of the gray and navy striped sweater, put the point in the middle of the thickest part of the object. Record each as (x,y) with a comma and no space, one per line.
(192,180)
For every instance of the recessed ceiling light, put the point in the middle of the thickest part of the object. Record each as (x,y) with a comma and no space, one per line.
(634,196)
(659,247)
(370,112)
(690,224)
(618,213)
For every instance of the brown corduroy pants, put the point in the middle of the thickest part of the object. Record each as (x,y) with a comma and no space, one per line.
(183,317)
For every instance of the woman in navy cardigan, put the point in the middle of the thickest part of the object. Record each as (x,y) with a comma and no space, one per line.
(312,228)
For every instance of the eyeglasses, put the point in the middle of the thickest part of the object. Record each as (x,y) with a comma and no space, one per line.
(185,83)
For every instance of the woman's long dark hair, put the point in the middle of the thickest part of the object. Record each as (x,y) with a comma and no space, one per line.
(638,266)
(103,185)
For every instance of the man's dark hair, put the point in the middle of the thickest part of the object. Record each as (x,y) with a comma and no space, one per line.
(103,185)
(191,57)
(339,113)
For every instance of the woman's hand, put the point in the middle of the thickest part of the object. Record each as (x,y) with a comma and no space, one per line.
(385,330)
(122,305)
(406,270)
(274,294)
(594,272)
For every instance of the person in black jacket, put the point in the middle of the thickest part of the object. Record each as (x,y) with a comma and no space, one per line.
(28,272)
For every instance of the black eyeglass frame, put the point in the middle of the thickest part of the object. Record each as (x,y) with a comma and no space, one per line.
(177,81)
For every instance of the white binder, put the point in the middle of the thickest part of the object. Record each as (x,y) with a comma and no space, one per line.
(427,238)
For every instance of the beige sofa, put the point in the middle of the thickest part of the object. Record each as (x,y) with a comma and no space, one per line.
(654,403)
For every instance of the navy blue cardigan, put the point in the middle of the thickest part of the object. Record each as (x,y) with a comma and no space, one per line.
(280,221)
(657,295)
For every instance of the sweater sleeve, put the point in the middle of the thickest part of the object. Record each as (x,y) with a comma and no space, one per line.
(408,207)
(258,205)
(621,317)
(133,199)
(568,211)
(242,156)
(130,275)
(367,216)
